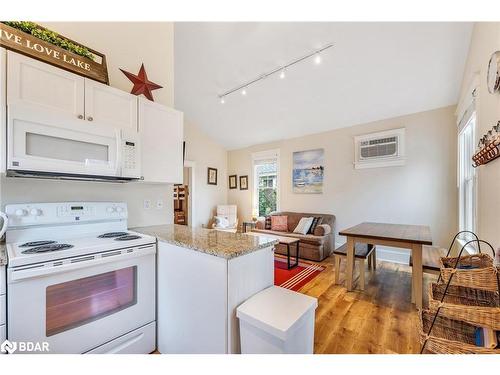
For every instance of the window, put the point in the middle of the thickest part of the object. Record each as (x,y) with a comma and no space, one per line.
(266,183)
(466,173)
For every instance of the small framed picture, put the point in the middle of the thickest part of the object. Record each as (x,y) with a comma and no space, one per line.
(243,182)
(233,181)
(212,176)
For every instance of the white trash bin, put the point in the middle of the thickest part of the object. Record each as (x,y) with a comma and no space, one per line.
(277,321)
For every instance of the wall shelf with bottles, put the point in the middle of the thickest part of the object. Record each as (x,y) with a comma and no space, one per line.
(488,147)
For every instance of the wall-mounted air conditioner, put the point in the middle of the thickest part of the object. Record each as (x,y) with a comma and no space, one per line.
(381,149)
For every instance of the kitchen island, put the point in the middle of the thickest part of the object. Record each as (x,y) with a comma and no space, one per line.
(203,275)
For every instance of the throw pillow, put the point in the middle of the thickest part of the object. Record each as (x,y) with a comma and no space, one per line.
(303,225)
(279,223)
(317,221)
(268,222)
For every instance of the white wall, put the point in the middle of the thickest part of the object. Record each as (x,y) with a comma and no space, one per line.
(206,153)
(126,45)
(421,192)
(485,40)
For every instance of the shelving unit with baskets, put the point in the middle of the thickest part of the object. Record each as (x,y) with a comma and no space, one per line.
(467,299)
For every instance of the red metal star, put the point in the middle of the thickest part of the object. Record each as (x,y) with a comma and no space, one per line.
(141,83)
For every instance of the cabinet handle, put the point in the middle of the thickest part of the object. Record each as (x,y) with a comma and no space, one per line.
(80,117)
(90,118)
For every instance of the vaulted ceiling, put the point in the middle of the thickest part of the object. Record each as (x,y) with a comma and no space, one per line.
(374,71)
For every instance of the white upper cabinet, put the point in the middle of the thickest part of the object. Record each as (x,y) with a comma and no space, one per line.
(161,134)
(38,84)
(3,108)
(110,106)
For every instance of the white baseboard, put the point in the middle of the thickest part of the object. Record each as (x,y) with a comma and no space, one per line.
(389,254)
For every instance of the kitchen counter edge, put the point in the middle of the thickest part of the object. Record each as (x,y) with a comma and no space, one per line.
(209,241)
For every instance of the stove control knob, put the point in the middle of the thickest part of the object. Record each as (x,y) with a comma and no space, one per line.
(21,212)
(110,209)
(119,209)
(35,212)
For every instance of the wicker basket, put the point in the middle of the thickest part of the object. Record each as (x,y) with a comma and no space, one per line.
(483,276)
(449,336)
(476,306)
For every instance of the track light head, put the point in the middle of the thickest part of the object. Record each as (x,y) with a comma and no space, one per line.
(282,74)
(317,59)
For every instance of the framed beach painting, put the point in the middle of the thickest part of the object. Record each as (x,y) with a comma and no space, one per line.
(308,170)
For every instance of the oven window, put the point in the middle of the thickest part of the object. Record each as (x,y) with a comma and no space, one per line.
(77,302)
(46,146)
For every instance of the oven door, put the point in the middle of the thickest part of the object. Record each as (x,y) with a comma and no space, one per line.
(40,141)
(78,304)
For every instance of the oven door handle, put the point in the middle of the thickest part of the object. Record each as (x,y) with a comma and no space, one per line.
(15,275)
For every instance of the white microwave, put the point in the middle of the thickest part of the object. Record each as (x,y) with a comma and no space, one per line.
(41,144)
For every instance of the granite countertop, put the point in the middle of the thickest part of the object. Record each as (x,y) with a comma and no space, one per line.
(209,241)
(3,254)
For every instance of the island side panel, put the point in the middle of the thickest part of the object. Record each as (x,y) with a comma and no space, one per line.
(247,275)
(192,301)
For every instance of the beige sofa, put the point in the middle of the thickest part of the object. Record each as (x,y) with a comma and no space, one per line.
(315,246)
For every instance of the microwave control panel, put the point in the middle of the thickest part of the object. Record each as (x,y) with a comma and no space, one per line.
(131,165)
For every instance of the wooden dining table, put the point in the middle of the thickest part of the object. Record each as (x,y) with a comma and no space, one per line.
(411,237)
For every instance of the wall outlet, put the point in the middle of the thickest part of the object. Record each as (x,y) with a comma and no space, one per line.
(147,204)
(159,204)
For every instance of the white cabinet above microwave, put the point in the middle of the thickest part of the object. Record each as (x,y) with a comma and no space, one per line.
(35,83)
(42,85)
(108,105)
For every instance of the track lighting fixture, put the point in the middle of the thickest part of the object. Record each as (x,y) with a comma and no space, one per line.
(281,71)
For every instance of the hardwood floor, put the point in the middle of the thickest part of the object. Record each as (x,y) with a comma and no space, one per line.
(380,319)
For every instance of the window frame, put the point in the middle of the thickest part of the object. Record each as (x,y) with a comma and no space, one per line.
(258,158)
(467,173)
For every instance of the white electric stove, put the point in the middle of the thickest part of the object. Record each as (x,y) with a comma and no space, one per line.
(78,280)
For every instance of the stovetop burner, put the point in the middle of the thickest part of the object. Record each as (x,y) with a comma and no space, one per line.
(112,234)
(47,248)
(128,237)
(36,243)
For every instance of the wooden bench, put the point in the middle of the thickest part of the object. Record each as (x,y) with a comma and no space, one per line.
(362,252)
(430,259)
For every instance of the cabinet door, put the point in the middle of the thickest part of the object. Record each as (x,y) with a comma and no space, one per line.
(161,134)
(3,108)
(109,106)
(35,83)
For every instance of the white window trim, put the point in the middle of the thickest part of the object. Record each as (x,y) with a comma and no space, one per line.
(474,181)
(265,155)
(392,161)
(470,98)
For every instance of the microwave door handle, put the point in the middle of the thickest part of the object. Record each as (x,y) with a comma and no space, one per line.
(119,151)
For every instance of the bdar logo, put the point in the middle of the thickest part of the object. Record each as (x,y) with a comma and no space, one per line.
(8,347)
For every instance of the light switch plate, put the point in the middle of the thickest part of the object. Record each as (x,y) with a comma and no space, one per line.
(147,204)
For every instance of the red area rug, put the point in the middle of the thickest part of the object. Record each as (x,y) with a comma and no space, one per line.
(297,277)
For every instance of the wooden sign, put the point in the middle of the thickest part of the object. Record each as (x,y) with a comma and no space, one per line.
(29,45)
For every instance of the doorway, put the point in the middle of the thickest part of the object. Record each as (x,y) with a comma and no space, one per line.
(183,196)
